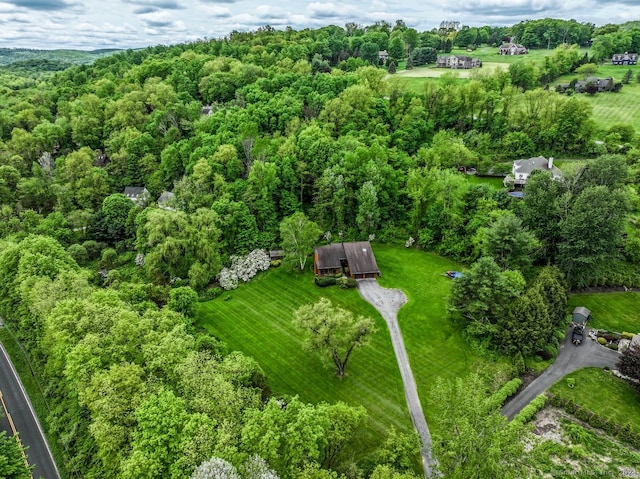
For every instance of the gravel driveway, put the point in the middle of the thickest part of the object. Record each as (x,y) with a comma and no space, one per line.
(388,302)
(570,358)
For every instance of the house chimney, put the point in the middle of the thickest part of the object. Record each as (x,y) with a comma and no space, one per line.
(550,162)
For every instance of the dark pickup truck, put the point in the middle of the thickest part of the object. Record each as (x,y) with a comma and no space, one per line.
(578,334)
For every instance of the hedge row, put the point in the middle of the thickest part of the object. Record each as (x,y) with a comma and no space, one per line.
(530,410)
(500,396)
(624,433)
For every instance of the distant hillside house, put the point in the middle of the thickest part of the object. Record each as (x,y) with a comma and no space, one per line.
(625,58)
(522,169)
(512,49)
(138,194)
(355,259)
(207,110)
(383,56)
(167,201)
(603,84)
(456,62)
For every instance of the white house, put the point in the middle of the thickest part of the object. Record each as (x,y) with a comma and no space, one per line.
(522,169)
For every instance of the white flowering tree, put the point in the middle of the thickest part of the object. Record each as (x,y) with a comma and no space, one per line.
(243,268)
(215,468)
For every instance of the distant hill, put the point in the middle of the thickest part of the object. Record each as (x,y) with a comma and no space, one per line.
(25,57)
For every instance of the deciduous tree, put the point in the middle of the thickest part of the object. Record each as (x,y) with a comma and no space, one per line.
(298,235)
(332,331)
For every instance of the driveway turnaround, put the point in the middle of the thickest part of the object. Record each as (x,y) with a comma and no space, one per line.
(24,420)
(388,302)
(570,359)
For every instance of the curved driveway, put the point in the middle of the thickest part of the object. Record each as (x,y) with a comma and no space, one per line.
(570,359)
(388,302)
(25,420)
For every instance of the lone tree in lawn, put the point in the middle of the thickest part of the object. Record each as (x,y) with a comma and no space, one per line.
(298,235)
(333,331)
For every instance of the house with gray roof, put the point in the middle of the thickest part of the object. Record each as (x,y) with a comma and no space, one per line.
(167,201)
(456,62)
(512,49)
(138,194)
(522,169)
(624,59)
(356,259)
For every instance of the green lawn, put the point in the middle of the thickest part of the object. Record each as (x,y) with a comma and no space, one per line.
(257,321)
(435,347)
(495,182)
(611,311)
(604,394)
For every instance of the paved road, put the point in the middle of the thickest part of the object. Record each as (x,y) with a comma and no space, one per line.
(570,358)
(388,302)
(25,420)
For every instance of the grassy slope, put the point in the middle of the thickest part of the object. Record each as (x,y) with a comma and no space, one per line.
(434,345)
(603,394)
(611,311)
(257,321)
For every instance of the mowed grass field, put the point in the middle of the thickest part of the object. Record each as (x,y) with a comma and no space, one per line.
(617,311)
(434,345)
(604,394)
(257,320)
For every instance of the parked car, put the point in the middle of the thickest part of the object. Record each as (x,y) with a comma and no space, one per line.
(578,333)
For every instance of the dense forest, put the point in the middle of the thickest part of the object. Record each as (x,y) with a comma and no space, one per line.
(102,290)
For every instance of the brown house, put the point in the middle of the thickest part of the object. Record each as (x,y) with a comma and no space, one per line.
(354,259)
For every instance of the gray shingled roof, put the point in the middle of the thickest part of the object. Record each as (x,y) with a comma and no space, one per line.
(134,191)
(537,163)
(360,258)
(580,314)
(329,256)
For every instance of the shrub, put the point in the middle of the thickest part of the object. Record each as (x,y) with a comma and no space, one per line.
(597,421)
(501,395)
(323,281)
(602,341)
(109,258)
(626,335)
(571,382)
(519,364)
(276,263)
(583,414)
(613,346)
(347,283)
(209,294)
(529,411)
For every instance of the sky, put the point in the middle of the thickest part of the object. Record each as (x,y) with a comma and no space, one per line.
(94,24)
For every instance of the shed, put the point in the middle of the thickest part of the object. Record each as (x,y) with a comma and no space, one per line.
(580,315)
(276,254)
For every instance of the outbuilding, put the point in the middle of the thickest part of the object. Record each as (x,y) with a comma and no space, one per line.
(580,315)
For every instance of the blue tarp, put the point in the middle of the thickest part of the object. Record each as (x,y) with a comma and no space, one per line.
(454,274)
